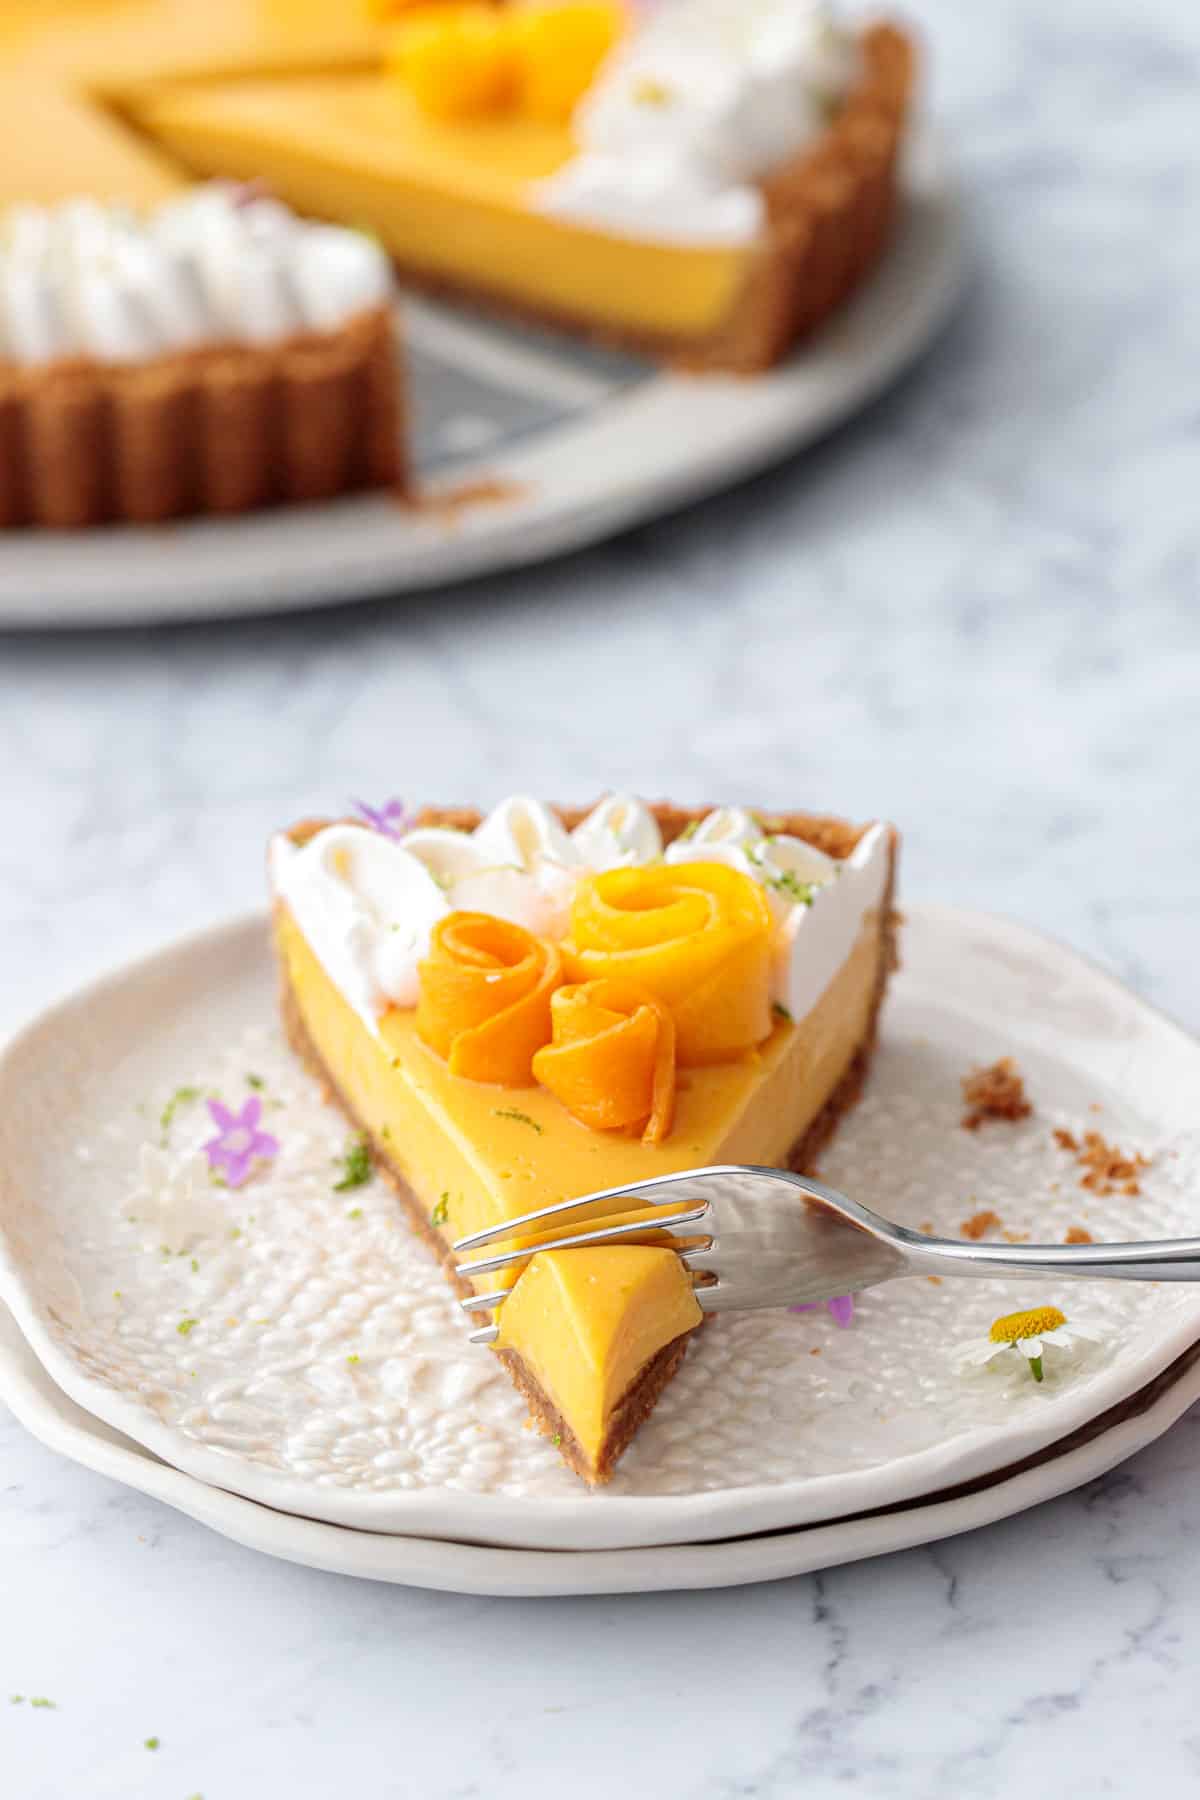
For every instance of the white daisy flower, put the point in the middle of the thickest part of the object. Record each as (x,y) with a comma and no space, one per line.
(176,1204)
(1031,1334)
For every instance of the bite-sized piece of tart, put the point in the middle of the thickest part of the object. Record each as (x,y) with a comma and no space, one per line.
(212,354)
(700,179)
(591,1338)
(545,1003)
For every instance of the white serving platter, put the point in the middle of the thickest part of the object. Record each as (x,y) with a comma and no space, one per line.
(293,1344)
(581,444)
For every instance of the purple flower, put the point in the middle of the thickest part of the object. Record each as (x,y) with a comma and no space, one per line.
(391,819)
(239,1143)
(841,1309)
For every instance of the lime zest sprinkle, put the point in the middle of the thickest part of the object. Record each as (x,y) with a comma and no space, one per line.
(514,1112)
(183,1096)
(41,1700)
(152,1743)
(781,1011)
(356,1164)
(195,1266)
(16,1699)
(649,91)
(355,1212)
(353,1358)
(801,892)
(255,1081)
(441,1211)
(185,1326)
(556,1440)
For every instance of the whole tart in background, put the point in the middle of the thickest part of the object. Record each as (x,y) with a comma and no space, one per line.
(725,180)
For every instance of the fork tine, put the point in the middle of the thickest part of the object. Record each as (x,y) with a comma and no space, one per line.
(485,1265)
(658,1192)
(487,1334)
(481,1302)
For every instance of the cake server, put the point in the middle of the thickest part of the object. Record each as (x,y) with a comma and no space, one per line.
(759,1237)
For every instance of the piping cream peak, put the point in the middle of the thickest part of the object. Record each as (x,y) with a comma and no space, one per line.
(368,903)
(524,833)
(620,831)
(698,102)
(787,867)
(219,265)
(816,938)
(366,906)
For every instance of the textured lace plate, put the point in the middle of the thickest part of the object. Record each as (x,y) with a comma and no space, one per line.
(291,1343)
(457,1568)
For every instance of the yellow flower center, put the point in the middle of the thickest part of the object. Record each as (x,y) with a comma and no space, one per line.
(1036,1323)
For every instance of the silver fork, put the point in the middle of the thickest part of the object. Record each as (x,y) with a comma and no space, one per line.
(762,1244)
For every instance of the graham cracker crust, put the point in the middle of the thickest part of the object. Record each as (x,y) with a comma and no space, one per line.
(829,216)
(225,429)
(837,837)
(632,1410)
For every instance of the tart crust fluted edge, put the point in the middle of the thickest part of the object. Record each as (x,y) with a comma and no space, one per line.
(225,429)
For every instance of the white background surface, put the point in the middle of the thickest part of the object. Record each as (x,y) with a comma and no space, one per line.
(973,610)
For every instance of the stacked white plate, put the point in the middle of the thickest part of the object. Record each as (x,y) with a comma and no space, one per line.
(284,1363)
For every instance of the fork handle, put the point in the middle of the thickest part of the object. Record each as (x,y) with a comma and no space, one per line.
(1163,1259)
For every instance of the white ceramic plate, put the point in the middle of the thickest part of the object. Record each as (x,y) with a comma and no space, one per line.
(293,1344)
(588,443)
(474,1569)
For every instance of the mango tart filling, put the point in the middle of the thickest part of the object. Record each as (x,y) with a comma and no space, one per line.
(663,968)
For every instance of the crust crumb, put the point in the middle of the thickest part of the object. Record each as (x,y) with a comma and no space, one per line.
(1079,1234)
(1066,1140)
(997,1092)
(926,1227)
(1106,1168)
(935,1279)
(980,1223)
(1015,1237)
(449,504)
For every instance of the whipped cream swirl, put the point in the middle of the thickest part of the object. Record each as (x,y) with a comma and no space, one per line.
(220,265)
(368,903)
(698,102)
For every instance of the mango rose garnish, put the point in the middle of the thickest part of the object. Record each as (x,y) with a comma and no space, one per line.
(697,936)
(485,997)
(612,1058)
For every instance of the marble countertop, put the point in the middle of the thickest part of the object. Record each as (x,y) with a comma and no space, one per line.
(976,610)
